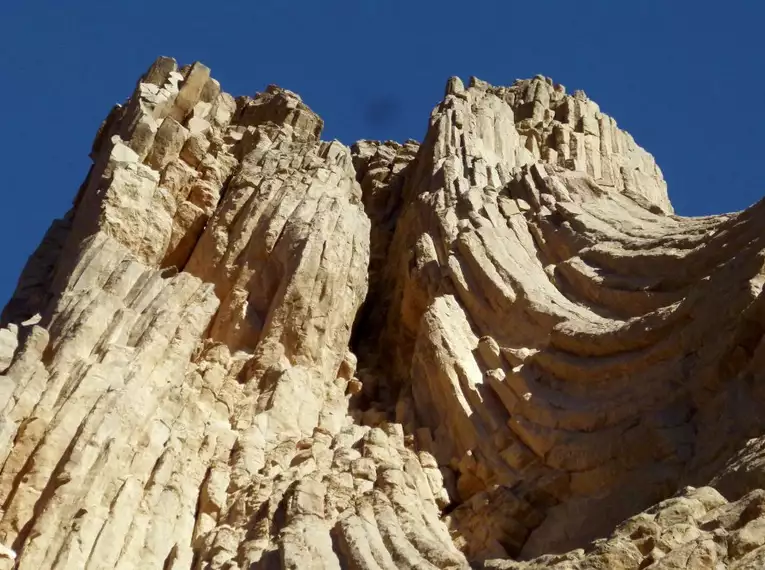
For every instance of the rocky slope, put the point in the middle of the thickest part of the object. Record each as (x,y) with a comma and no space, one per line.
(245,348)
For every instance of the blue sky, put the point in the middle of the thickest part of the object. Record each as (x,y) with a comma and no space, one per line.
(686,78)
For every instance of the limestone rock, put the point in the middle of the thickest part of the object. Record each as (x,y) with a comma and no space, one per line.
(245,347)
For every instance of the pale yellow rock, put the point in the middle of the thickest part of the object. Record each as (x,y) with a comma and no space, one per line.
(9,342)
(245,347)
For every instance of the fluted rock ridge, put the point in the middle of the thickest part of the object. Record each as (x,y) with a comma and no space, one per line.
(245,347)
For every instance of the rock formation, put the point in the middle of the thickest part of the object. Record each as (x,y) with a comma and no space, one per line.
(247,348)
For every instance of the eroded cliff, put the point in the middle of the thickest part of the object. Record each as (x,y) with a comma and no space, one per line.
(247,348)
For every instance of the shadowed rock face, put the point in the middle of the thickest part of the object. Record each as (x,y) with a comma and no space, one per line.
(247,348)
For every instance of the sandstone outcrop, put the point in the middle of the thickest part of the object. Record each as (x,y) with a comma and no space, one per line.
(245,347)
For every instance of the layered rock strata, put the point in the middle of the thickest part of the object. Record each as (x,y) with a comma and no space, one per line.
(245,347)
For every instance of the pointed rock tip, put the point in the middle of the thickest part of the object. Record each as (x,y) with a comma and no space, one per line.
(159,71)
(454,86)
(478,83)
(275,89)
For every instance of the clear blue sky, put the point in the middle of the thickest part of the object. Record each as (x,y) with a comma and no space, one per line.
(685,77)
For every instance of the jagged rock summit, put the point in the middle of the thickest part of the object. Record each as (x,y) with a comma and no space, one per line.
(247,348)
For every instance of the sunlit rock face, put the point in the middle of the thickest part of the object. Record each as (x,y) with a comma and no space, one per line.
(248,348)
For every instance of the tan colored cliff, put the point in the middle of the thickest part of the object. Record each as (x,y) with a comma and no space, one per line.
(247,348)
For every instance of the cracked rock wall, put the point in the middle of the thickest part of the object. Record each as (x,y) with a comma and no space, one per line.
(245,347)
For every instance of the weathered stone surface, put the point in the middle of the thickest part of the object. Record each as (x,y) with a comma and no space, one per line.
(697,528)
(245,347)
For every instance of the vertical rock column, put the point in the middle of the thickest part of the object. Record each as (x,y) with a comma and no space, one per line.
(108,430)
(555,335)
(175,359)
